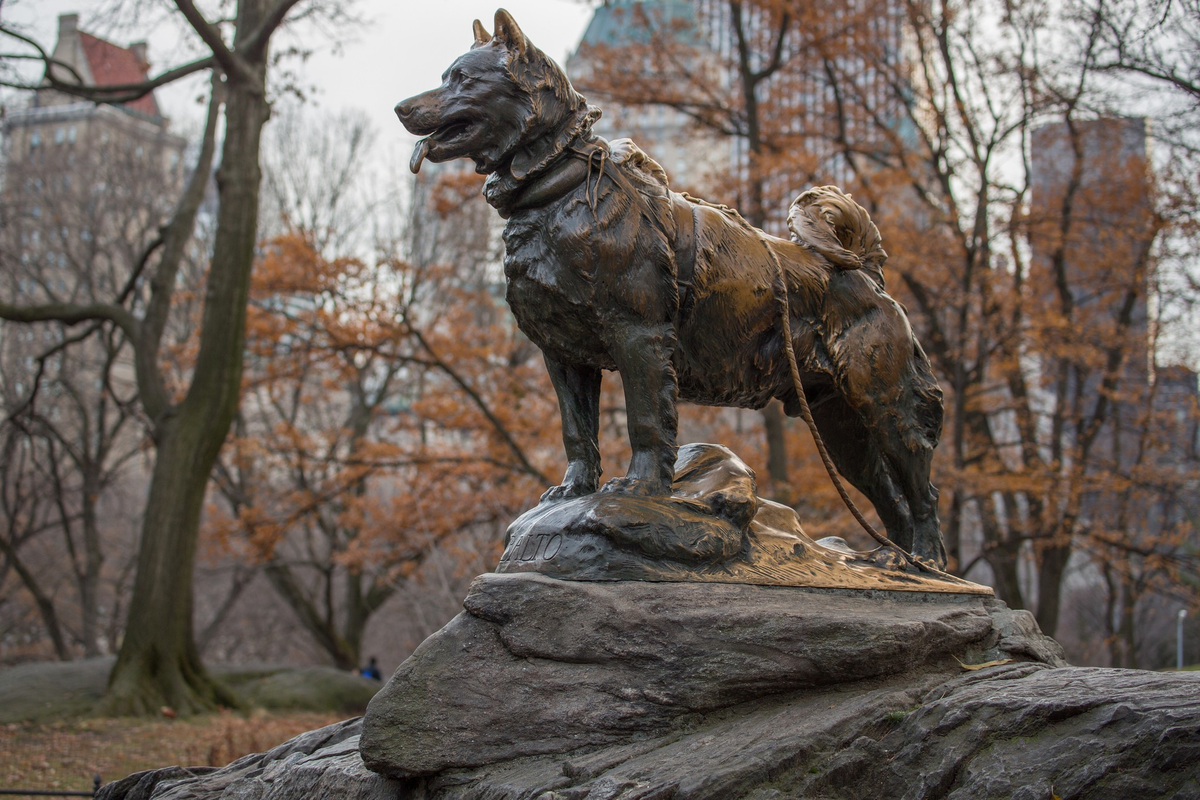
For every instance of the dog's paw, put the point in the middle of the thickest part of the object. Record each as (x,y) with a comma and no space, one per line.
(928,564)
(639,487)
(565,491)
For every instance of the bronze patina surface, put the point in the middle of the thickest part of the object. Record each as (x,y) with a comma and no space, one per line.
(608,269)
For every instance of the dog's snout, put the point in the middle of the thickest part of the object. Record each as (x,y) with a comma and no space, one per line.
(404,109)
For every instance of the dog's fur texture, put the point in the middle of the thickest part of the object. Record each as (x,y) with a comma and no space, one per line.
(608,269)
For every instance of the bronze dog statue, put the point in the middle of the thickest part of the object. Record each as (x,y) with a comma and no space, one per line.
(608,269)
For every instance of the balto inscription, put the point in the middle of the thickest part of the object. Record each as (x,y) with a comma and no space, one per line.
(537,548)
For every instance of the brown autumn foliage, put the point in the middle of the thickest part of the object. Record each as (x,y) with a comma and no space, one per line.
(389,405)
(368,418)
(1024,253)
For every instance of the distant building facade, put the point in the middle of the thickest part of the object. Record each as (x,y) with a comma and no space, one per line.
(55,119)
(85,189)
(1093,227)
(691,156)
(81,177)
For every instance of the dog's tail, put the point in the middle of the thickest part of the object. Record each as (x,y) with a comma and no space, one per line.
(828,221)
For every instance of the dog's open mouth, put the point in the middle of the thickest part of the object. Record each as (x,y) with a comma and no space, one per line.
(446,137)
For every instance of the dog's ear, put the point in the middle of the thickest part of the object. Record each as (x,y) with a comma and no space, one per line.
(509,35)
(482,37)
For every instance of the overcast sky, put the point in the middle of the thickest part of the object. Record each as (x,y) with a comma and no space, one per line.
(400,50)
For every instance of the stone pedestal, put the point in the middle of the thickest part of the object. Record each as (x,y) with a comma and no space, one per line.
(537,665)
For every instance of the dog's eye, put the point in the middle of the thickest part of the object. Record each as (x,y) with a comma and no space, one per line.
(460,77)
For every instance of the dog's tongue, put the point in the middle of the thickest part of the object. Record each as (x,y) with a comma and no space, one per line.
(418,156)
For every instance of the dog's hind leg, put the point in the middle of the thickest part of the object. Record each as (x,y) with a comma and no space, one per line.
(881,372)
(578,390)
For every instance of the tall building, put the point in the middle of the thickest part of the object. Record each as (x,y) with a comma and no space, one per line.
(85,189)
(693,157)
(85,184)
(54,119)
(1092,226)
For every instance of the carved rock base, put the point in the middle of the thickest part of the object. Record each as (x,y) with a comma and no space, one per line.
(537,665)
(712,529)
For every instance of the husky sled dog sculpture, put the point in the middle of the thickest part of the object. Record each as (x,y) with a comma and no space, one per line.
(608,269)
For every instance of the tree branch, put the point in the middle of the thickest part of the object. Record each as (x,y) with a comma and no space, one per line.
(127,92)
(230,62)
(175,236)
(481,405)
(256,42)
(115,93)
(72,314)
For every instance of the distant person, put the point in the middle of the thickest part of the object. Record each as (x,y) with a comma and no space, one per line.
(371,670)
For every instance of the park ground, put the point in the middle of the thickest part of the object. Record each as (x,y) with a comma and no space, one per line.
(50,741)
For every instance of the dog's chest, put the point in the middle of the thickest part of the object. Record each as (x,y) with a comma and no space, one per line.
(550,274)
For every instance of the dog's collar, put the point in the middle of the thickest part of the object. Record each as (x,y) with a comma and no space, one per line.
(557,181)
(550,177)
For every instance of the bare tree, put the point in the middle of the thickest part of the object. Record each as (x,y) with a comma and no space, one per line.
(158,663)
(70,235)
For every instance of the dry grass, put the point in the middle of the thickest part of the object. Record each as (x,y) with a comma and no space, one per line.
(65,755)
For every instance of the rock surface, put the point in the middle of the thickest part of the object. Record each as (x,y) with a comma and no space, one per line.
(537,665)
(1019,731)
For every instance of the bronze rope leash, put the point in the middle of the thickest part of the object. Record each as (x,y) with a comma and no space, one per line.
(785,315)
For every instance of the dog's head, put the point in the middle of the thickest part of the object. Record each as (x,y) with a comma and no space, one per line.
(495,102)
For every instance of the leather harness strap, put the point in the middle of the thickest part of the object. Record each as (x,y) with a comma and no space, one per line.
(684,211)
(570,172)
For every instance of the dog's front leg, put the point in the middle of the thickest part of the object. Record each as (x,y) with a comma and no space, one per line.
(643,354)
(578,390)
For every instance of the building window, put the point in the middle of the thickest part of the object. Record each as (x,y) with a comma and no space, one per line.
(35,139)
(71,134)
(60,135)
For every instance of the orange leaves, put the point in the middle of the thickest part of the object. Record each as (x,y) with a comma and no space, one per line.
(453,191)
(291,265)
(387,408)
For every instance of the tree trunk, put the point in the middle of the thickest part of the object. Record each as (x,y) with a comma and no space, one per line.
(322,627)
(1128,638)
(89,583)
(1003,559)
(44,605)
(1050,574)
(158,664)
(779,487)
